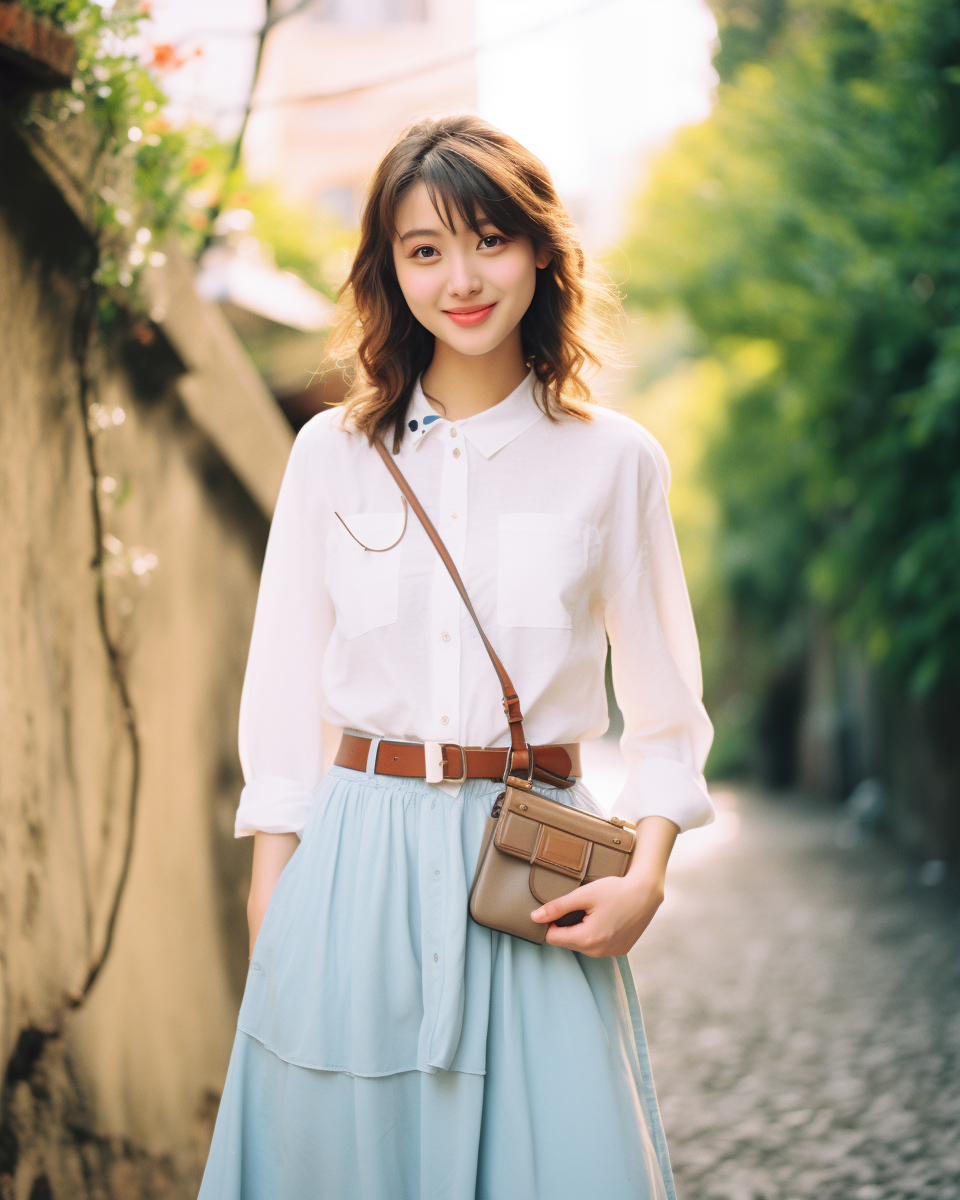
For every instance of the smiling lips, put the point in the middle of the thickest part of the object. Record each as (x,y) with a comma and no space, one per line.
(470,316)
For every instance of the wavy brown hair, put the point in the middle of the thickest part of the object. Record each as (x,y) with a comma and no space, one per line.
(476,171)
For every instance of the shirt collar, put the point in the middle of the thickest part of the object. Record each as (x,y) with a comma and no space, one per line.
(489,431)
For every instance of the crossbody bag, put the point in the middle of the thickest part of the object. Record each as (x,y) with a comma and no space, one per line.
(534,849)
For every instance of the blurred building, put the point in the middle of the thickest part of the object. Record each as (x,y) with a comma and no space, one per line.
(341,79)
(281,320)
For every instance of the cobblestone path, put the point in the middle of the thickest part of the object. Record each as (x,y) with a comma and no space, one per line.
(801,994)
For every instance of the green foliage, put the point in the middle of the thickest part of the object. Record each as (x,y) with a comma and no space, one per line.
(152,167)
(817,212)
(165,180)
(309,241)
(747,29)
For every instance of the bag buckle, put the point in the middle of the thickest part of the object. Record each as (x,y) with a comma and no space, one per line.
(435,762)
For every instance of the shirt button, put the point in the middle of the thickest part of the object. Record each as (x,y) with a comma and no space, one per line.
(444,720)
(445,637)
(453,433)
(456,453)
(453,516)
(436,958)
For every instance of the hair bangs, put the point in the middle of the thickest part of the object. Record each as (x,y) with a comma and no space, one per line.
(459,187)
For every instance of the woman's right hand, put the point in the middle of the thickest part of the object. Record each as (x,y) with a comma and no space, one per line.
(271,853)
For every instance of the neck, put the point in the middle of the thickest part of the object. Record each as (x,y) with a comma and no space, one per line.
(461,385)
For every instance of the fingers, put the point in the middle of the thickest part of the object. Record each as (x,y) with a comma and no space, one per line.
(585,938)
(553,909)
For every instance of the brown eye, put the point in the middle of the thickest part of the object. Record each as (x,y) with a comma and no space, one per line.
(491,241)
(424,252)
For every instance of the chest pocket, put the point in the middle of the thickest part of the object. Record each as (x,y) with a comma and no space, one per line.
(364,586)
(542,560)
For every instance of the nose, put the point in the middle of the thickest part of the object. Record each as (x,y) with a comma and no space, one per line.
(463,281)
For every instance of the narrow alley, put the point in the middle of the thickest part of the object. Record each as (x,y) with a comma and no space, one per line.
(801,993)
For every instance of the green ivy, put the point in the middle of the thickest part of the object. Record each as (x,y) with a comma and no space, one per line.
(163,179)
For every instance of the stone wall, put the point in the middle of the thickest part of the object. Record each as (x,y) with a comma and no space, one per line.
(129,561)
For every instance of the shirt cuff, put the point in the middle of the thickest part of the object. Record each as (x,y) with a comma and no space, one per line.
(272,805)
(663,787)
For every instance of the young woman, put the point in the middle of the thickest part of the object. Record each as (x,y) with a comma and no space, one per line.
(389,1047)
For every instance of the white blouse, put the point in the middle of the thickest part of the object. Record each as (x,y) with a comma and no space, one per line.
(563,537)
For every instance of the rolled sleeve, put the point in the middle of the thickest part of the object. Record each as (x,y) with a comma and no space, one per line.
(272,805)
(662,787)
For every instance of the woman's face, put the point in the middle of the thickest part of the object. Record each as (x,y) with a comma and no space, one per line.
(468,291)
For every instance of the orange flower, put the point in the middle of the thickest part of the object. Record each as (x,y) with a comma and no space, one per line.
(198,220)
(198,165)
(165,57)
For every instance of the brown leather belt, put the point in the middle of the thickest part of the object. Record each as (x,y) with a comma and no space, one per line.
(551,763)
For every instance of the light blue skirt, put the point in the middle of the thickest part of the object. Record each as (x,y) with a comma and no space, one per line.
(389,1048)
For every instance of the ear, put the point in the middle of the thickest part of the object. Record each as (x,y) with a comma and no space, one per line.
(543,259)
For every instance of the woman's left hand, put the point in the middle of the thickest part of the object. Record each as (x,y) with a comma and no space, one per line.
(618,910)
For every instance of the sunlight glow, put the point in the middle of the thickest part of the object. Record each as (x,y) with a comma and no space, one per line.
(592,94)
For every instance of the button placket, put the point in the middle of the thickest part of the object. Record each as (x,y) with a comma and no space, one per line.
(445,601)
(454,501)
(431,860)
(443,900)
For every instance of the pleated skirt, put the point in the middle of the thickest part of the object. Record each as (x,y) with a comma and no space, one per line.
(389,1048)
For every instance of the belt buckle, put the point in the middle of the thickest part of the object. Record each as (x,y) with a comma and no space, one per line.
(435,760)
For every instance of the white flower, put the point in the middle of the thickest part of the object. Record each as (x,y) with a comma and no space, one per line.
(144,563)
(98,417)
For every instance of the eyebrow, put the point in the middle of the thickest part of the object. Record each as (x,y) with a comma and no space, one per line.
(420,233)
(411,233)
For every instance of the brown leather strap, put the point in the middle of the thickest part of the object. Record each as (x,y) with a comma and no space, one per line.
(511,702)
(552,764)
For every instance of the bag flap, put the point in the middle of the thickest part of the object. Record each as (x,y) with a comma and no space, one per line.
(549,885)
(529,807)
